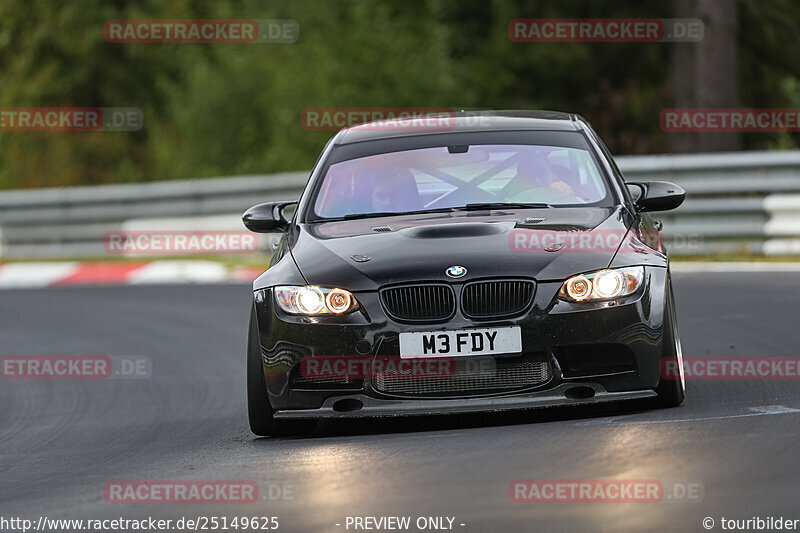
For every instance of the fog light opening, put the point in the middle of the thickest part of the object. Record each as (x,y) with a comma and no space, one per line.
(347,405)
(363,347)
(579,393)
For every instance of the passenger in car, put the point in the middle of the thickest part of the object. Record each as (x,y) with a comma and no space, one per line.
(396,190)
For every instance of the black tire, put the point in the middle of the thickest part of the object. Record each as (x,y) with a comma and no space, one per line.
(259,410)
(671,392)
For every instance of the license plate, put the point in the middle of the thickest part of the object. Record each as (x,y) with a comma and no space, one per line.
(460,342)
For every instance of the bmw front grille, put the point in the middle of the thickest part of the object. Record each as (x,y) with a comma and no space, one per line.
(482,299)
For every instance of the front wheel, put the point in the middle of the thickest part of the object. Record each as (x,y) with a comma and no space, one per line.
(259,410)
(671,388)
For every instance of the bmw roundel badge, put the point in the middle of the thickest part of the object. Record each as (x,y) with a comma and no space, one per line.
(456,271)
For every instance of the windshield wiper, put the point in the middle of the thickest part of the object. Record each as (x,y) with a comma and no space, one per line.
(353,216)
(468,207)
(501,205)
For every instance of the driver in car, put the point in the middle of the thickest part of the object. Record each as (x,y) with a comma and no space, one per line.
(537,180)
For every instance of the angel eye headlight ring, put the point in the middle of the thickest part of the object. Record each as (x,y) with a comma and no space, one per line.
(602,285)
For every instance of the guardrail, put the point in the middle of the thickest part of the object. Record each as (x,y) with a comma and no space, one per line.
(744,202)
(73,221)
(737,203)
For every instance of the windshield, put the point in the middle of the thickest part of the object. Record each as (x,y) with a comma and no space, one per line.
(438,178)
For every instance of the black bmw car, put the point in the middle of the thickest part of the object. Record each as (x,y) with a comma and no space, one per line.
(486,261)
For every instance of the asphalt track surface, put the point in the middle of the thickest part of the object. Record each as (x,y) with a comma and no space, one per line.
(62,440)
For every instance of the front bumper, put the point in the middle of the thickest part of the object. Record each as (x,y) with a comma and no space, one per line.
(584,343)
(369,406)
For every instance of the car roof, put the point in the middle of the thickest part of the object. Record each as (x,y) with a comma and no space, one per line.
(443,122)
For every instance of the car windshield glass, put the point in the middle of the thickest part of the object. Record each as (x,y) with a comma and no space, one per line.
(440,178)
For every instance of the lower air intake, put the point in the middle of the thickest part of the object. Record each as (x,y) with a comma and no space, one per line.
(504,374)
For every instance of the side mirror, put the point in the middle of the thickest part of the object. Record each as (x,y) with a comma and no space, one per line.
(266,218)
(658,195)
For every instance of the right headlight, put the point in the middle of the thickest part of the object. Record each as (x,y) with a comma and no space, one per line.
(601,285)
(311,300)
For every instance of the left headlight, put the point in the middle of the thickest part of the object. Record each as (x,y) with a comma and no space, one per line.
(311,300)
(602,285)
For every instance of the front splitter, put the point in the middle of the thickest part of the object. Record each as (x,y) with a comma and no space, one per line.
(381,407)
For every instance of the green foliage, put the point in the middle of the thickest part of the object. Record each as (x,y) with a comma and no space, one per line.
(226,109)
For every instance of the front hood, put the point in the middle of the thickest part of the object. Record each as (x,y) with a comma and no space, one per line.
(422,247)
